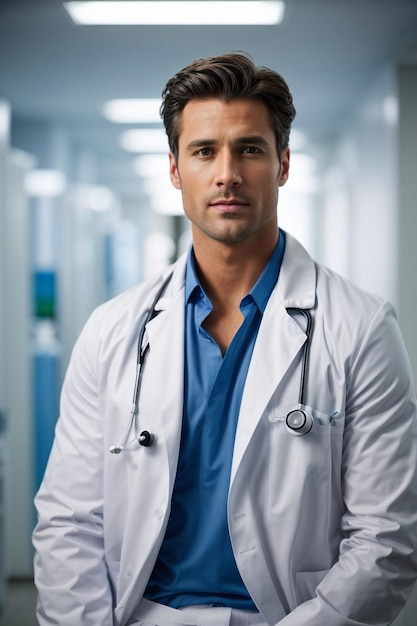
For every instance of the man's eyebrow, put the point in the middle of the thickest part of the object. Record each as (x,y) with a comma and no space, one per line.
(249,139)
(254,139)
(199,143)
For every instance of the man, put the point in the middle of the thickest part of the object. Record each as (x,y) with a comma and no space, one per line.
(267,474)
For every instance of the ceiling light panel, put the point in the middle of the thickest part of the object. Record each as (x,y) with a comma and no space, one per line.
(45,183)
(151,165)
(171,12)
(133,110)
(144,140)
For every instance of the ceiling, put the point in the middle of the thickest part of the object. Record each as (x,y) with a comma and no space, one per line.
(54,71)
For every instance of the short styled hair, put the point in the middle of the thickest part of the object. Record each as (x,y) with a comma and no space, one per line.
(228,77)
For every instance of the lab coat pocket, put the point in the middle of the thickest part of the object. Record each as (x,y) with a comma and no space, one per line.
(306,584)
(321,422)
(302,468)
(334,420)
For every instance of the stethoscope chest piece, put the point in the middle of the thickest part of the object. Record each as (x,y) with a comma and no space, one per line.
(146,438)
(299,422)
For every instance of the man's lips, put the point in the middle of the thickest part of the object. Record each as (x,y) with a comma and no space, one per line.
(228,204)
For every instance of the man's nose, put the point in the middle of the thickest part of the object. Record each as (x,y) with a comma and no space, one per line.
(227,171)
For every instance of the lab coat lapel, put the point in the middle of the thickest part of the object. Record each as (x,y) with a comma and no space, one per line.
(164,367)
(278,343)
(165,334)
(280,338)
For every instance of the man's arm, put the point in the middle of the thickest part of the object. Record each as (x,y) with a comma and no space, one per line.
(377,564)
(70,570)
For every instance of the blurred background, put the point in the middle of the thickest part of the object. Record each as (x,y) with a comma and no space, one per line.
(87,210)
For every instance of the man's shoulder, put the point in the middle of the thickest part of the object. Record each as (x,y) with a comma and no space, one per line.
(327,288)
(127,307)
(331,283)
(348,311)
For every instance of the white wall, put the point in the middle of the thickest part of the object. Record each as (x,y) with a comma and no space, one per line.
(368,215)
(81,266)
(407,232)
(19,452)
(4,144)
(358,222)
(407,209)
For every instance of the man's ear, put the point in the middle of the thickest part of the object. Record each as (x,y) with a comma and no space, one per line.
(173,172)
(285,167)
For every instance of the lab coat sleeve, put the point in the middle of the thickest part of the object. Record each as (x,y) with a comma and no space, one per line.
(70,570)
(377,563)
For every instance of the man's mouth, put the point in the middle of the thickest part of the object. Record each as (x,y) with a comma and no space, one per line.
(228,204)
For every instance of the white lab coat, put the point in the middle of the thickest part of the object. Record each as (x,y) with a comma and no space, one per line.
(323,526)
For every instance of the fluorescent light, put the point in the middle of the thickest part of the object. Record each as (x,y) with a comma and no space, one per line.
(133,110)
(5,113)
(167,203)
(144,140)
(390,110)
(170,12)
(159,186)
(151,165)
(95,197)
(45,183)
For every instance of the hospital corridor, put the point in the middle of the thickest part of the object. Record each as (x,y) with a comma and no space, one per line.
(88,209)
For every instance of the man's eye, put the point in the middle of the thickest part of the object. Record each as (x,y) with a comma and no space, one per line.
(251,150)
(203,152)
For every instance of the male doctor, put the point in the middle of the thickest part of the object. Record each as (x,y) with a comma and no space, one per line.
(267,474)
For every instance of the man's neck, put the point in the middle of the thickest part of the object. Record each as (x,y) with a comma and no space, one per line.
(228,271)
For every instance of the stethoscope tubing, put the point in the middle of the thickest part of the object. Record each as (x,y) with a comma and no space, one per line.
(306,351)
(145,438)
(140,359)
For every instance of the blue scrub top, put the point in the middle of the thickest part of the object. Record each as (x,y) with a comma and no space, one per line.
(196,564)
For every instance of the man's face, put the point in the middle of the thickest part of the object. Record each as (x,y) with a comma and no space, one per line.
(228,170)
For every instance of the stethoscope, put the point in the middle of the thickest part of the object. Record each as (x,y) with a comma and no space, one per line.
(298,422)
(145,438)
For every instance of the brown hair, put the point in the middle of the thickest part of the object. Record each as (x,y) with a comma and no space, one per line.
(227,77)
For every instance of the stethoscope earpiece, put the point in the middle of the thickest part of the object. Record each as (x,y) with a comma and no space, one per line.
(299,422)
